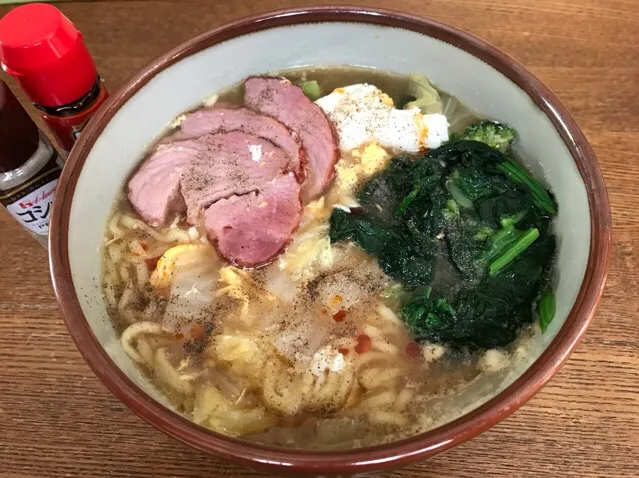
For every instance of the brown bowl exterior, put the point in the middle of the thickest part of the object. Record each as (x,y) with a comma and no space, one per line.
(366,460)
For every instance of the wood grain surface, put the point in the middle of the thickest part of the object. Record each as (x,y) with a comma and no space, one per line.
(57,419)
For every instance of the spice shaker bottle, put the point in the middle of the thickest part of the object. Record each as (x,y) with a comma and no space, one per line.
(44,51)
(29,167)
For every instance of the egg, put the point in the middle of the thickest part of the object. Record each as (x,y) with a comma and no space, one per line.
(173,258)
(347,177)
(362,113)
(373,158)
(358,166)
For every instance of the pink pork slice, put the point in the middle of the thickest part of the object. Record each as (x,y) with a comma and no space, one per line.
(250,230)
(192,174)
(287,103)
(228,164)
(154,190)
(224,120)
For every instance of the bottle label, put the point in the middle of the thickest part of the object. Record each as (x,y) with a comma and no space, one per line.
(66,129)
(31,202)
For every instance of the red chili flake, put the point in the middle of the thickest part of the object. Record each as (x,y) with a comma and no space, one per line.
(413,350)
(144,246)
(152,263)
(343,351)
(339,316)
(196,332)
(364,344)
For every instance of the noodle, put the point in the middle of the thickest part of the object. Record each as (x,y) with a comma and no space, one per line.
(403,398)
(169,375)
(125,275)
(282,390)
(380,400)
(127,296)
(172,235)
(141,273)
(115,253)
(108,289)
(382,417)
(146,352)
(253,386)
(115,231)
(131,334)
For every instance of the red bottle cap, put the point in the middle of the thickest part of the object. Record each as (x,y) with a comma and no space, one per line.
(46,54)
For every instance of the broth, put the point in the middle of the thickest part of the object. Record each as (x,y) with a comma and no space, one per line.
(307,351)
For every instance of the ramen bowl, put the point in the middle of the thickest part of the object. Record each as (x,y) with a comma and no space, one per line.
(483,77)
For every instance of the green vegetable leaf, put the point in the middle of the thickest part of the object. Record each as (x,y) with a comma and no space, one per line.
(452,210)
(466,153)
(519,246)
(513,219)
(429,319)
(546,309)
(403,261)
(396,294)
(466,239)
(403,101)
(496,135)
(498,138)
(361,229)
(458,195)
(390,187)
(520,175)
(398,256)
(425,97)
(490,314)
(407,201)
(311,89)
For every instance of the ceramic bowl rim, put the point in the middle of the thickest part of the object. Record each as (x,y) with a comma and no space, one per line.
(364,459)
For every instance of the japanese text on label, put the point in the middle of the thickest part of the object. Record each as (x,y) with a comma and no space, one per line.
(34,209)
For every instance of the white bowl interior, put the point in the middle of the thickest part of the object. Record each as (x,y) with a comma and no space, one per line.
(185,84)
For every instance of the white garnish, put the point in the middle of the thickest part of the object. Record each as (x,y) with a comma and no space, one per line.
(327,359)
(256,152)
(433,352)
(210,101)
(493,361)
(178,121)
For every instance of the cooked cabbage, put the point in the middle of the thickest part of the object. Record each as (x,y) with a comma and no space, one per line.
(187,276)
(426,97)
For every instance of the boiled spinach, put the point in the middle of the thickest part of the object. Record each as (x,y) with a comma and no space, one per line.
(469,202)
(398,256)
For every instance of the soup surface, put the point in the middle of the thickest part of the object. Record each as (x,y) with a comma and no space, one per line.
(313,263)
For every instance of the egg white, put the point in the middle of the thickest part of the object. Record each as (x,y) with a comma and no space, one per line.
(363,113)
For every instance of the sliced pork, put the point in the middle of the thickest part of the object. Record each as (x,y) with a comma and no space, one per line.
(287,103)
(228,164)
(190,175)
(154,190)
(224,120)
(250,230)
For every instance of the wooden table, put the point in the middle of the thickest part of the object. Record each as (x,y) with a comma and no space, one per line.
(57,419)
